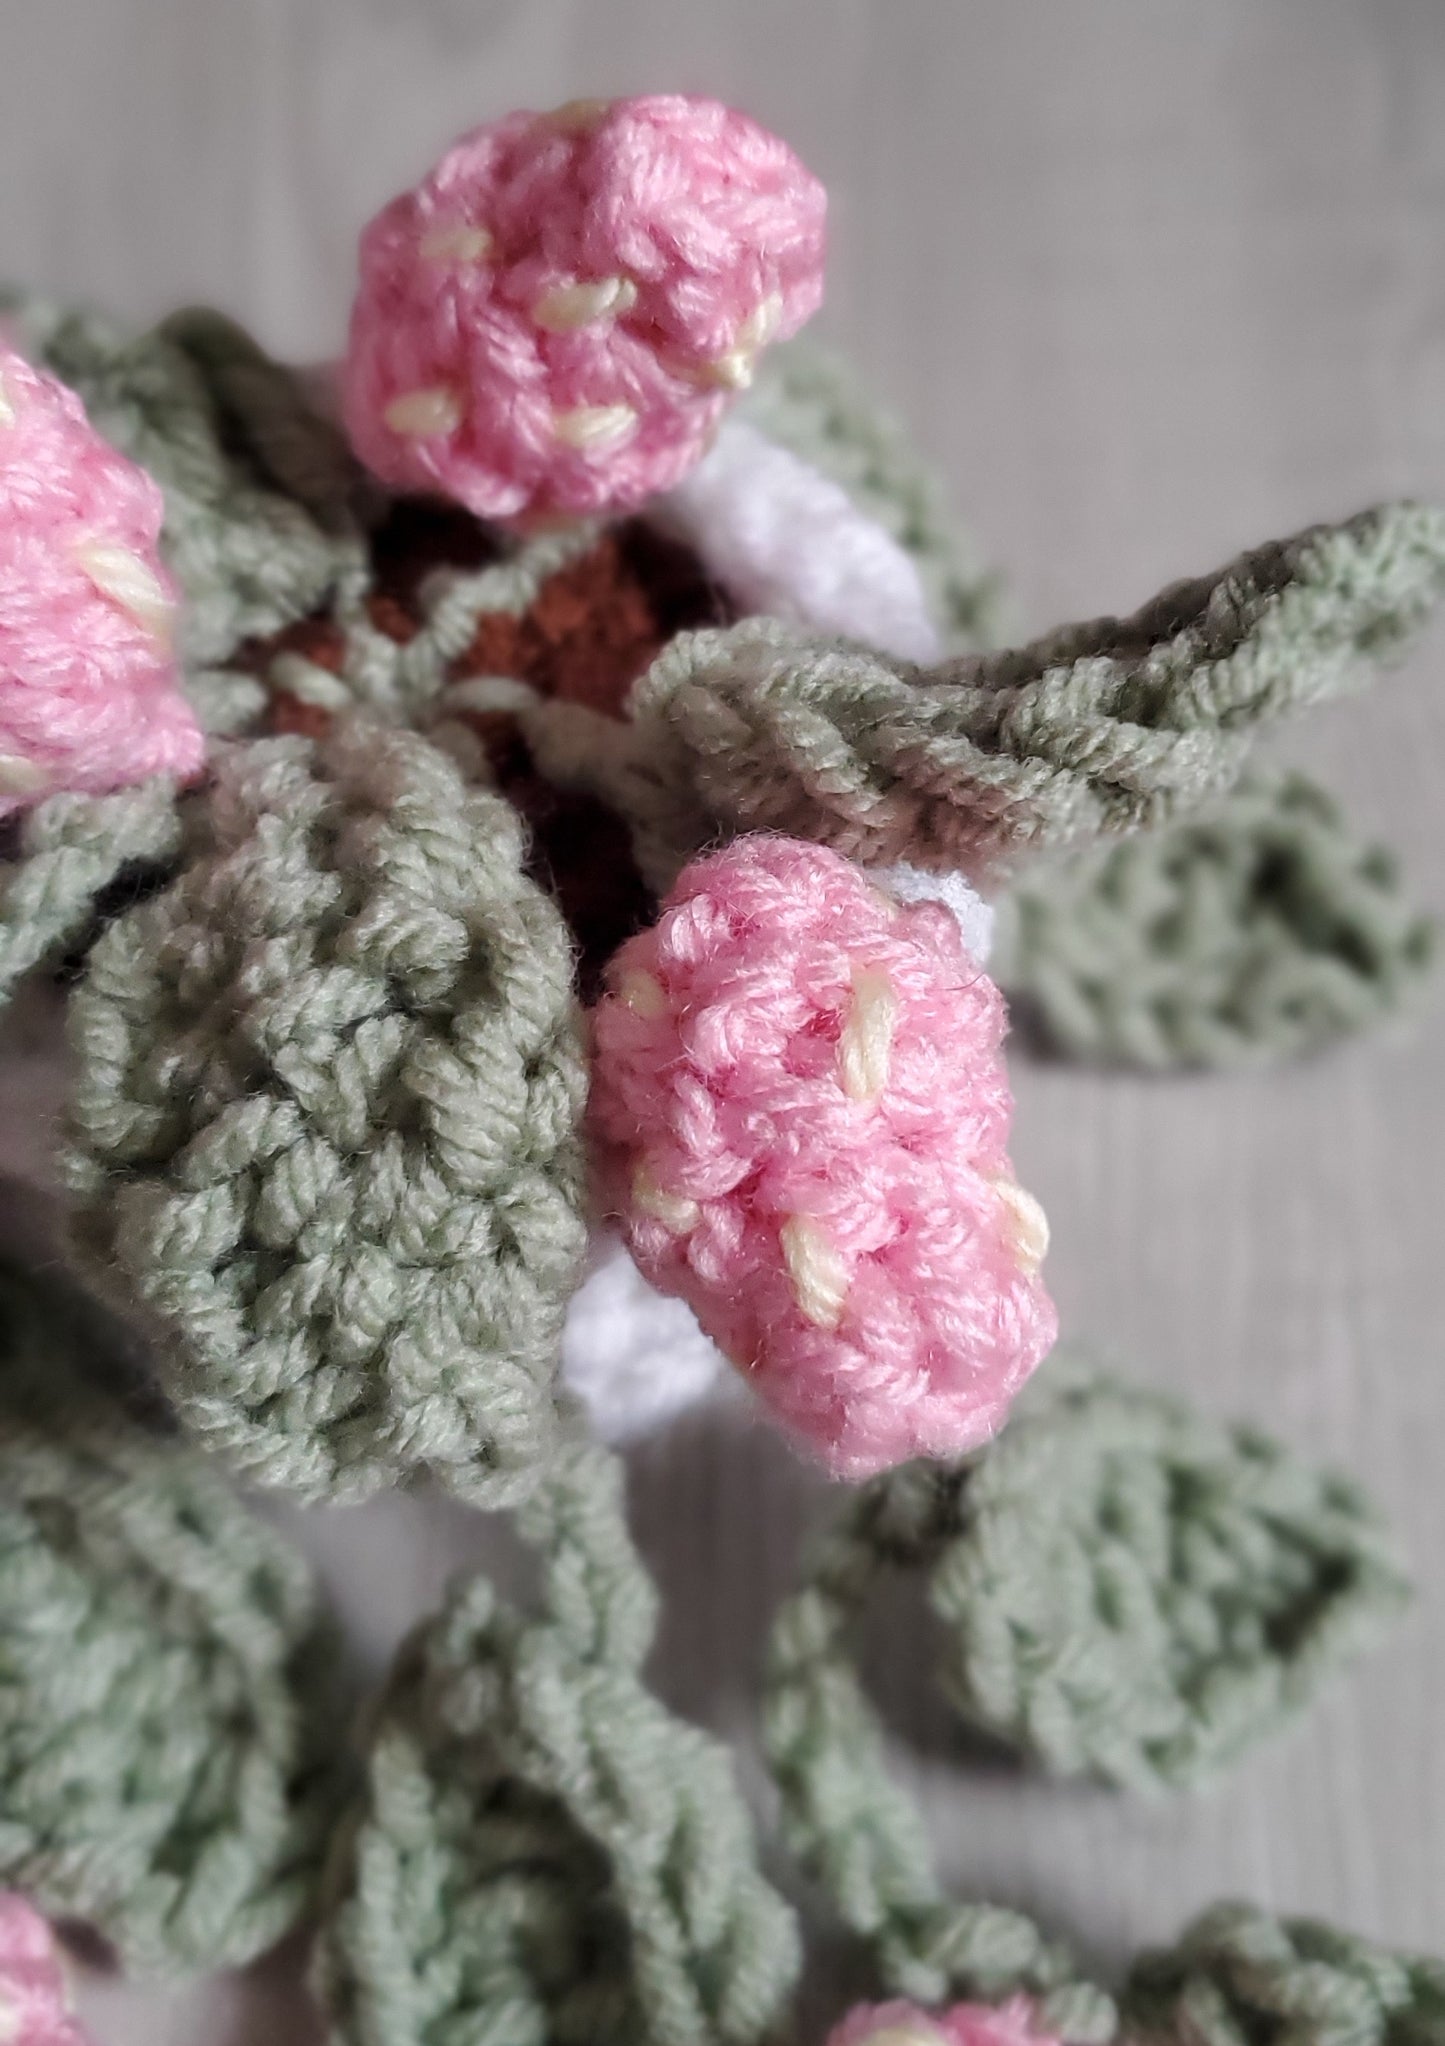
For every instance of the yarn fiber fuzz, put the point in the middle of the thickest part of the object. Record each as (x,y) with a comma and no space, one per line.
(34,2004)
(801,1115)
(89,696)
(326,1135)
(1014,2023)
(166,1703)
(555,320)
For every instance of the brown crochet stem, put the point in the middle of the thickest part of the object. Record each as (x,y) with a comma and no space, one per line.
(597,625)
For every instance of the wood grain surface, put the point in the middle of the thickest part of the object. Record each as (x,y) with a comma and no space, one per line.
(1152,280)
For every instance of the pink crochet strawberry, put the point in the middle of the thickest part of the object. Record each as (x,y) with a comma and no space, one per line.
(1013,2023)
(801,1114)
(555,320)
(89,689)
(34,2006)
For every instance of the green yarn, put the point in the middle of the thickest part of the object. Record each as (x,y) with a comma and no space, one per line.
(1187,1590)
(263,510)
(545,1856)
(71,849)
(1125,1589)
(264,514)
(269,420)
(855,1831)
(325,1122)
(1243,1978)
(407,679)
(163,1693)
(1093,731)
(1281,935)
(1263,929)
(326,1149)
(811,403)
(1110,1575)
(231,442)
(260,530)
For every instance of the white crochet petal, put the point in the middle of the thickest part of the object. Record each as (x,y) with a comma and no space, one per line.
(634,1358)
(974,916)
(786,540)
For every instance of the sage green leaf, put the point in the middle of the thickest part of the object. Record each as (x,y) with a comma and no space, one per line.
(1091,732)
(69,851)
(1263,929)
(258,527)
(1140,1593)
(811,403)
(165,1706)
(544,1852)
(326,1121)
(1241,1977)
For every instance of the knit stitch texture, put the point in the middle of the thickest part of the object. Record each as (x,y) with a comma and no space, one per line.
(544,1853)
(801,1119)
(260,528)
(164,1702)
(1263,929)
(259,490)
(89,694)
(556,319)
(262,502)
(1188,1590)
(1125,1589)
(1241,1516)
(810,402)
(69,850)
(1241,1977)
(326,1140)
(326,1122)
(1092,731)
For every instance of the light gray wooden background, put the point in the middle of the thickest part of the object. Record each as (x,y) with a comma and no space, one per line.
(1153,279)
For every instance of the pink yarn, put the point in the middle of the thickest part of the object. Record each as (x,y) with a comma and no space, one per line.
(800,1113)
(555,319)
(967,2024)
(34,2006)
(89,694)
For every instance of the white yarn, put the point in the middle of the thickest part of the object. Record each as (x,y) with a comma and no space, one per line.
(635,1358)
(785,540)
(781,537)
(974,916)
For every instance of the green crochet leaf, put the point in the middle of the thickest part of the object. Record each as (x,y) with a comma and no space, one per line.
(1262,930)
(165,1714)
(1135,1592)
(1094,731)
(69,851)
(1240,1977)
(811,403)
(269,420)
(258,488)
(1125,1587)
(855,1830)
(544,1853)
(326,1122)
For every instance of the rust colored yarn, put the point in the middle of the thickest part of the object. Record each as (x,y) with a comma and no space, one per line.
(596,626)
